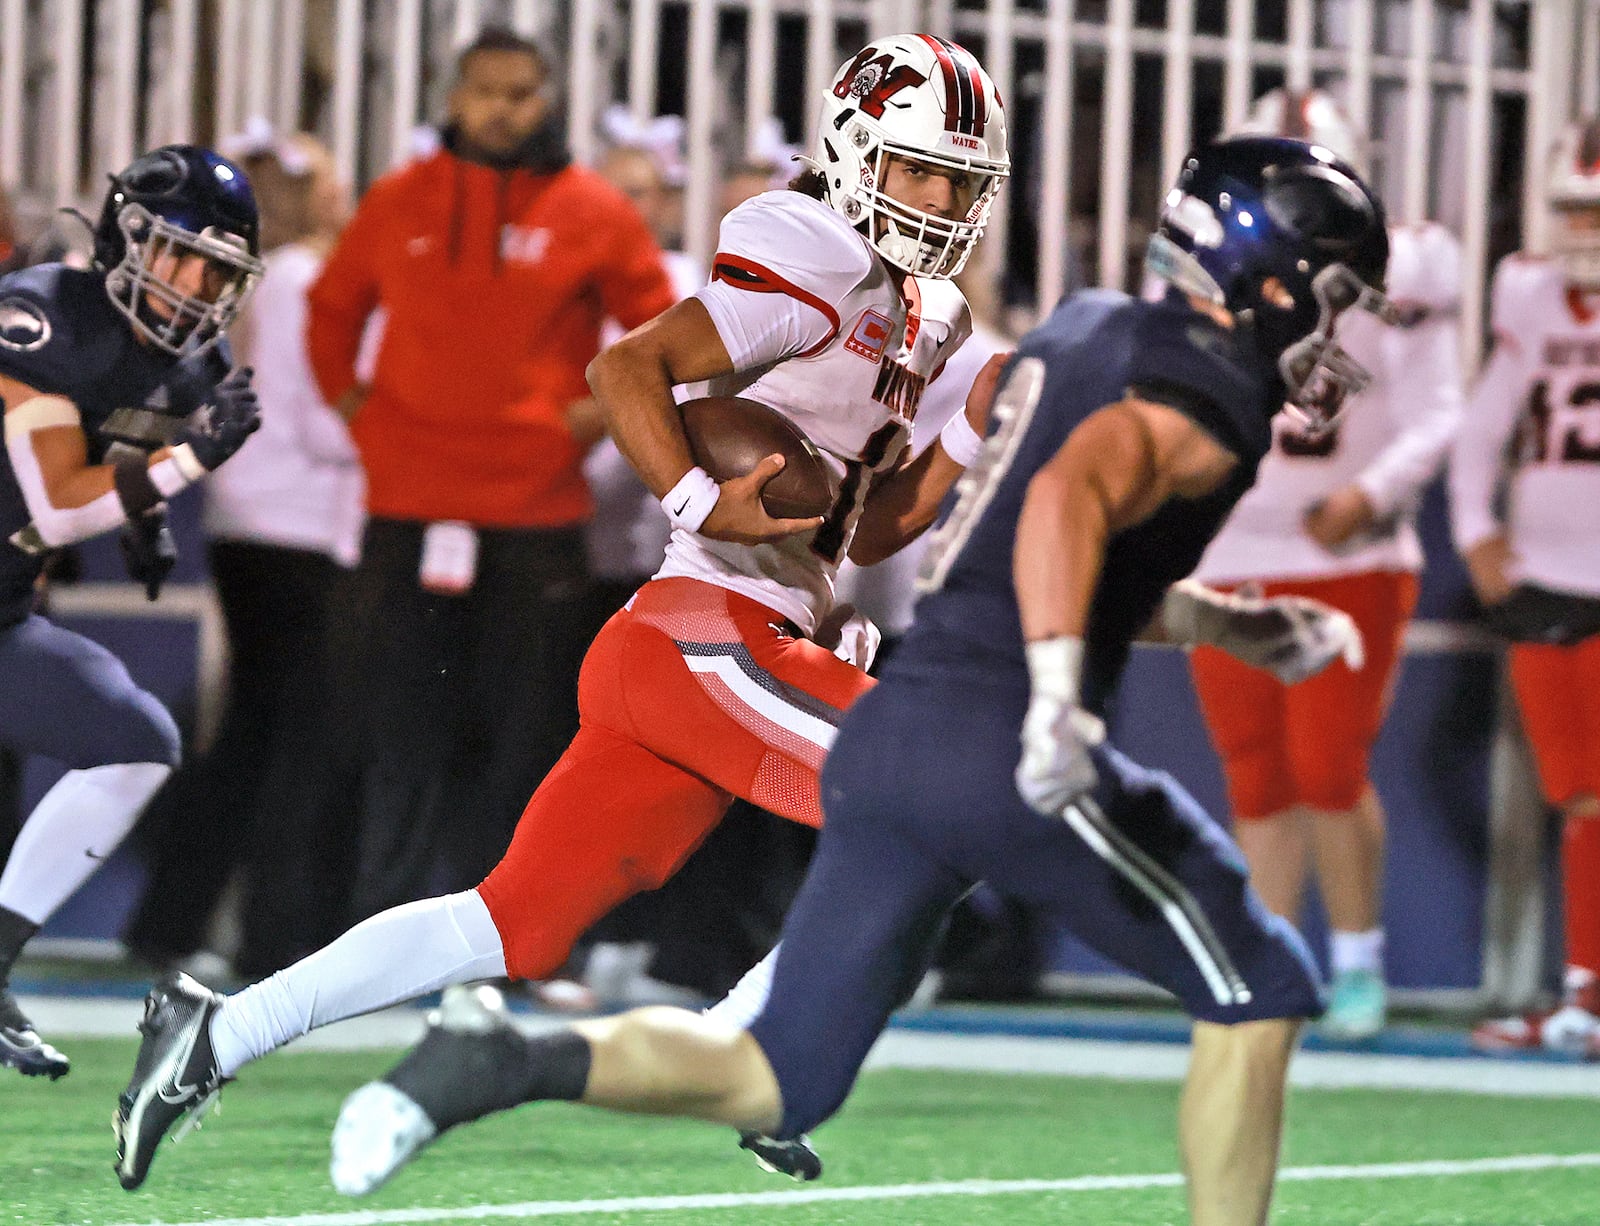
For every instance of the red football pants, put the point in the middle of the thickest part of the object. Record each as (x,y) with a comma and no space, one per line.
(1307,744)
(1558,693)
(690,696)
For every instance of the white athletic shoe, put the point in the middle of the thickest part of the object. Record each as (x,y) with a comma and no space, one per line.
(447,1079)
(379,1130)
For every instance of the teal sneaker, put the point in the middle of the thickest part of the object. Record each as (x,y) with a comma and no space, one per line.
(1358,1006)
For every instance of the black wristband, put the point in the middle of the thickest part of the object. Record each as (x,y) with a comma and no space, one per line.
(135,490)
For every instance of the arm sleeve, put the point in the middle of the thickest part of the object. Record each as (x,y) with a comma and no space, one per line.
(1490,416)
(1425,384)
(342,298)
(1424,367)
(778,277)
(634,283)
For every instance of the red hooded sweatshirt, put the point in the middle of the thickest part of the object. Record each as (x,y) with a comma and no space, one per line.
(495,283)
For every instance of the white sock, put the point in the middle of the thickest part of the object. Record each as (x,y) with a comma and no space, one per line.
(1356,951)
(747,998)
(71,831)
(394,956)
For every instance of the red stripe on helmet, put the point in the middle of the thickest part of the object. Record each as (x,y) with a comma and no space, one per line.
(980,104)
(952,89)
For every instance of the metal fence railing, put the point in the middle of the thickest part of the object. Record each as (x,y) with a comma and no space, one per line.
(1461,97)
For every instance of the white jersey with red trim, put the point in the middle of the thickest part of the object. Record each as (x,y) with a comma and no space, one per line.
(1390,441)
(822,330)
(886,591)
(1528,460)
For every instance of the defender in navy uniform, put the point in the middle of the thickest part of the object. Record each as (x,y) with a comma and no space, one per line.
(1123,434)
(116,395)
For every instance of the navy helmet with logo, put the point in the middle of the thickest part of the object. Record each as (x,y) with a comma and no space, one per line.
(171,204)
(1286,236)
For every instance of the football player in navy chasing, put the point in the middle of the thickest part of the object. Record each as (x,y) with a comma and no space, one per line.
(1122,435)
(117,395)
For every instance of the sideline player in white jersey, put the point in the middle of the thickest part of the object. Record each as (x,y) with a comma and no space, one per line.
(1530,533)
(1330,518)
(832,303)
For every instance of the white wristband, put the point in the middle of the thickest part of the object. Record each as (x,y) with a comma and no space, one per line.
(1055,667)
(177,472)
(688,504)
(960,441)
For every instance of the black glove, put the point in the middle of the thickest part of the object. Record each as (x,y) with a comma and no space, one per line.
(219,427)
(1533,614)
(149,551)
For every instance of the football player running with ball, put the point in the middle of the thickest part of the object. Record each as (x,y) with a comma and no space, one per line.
(830,302)
(1124,433)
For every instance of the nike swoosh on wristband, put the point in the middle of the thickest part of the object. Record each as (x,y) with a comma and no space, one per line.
(681,506)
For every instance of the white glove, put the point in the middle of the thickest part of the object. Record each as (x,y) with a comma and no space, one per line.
(850,634)
(1291,637)
(1057,734)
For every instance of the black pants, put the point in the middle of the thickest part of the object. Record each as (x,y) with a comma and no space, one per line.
(463,703)
(259,800)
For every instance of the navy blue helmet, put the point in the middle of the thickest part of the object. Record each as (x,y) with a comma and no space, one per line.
(1287,237)
(171,204)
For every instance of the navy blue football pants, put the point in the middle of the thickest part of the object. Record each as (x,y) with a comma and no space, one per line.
(920,804)
(68,698)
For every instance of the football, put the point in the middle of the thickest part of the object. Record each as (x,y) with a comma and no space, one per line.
(730,435)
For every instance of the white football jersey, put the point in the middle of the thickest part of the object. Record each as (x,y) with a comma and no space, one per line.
(1390,441)
(886,591)
(820,329)
(1528,460)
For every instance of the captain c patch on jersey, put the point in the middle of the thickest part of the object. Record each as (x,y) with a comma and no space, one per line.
(870,335)
(24,326)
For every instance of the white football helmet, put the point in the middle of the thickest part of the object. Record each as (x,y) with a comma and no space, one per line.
(1312,115)
(919,97)
(1573,193)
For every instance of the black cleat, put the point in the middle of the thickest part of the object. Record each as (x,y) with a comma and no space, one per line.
(449,1078)
(175,1075)
(21,1047)
(795,1158)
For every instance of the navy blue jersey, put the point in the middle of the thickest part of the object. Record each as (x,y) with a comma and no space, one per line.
(60,334)
(1094,349)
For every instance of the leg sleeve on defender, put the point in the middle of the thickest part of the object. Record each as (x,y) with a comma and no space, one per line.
(74,827)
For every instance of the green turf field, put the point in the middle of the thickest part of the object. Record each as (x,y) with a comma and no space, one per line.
(265,1155)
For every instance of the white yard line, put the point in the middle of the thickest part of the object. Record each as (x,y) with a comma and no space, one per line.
(904,1191)
(61,1018)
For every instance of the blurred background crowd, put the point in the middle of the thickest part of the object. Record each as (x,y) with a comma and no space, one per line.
(408,582)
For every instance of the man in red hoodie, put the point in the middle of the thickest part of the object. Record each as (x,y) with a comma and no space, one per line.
(495,261)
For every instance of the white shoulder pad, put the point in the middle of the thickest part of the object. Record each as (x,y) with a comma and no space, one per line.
(942,299)
(799,239)
(1522,285)
(1424,267)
